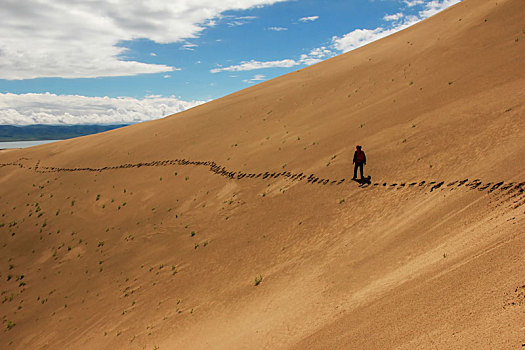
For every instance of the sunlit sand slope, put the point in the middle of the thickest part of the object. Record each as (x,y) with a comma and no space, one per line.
(235,225)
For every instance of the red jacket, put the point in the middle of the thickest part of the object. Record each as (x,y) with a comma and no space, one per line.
(359,157)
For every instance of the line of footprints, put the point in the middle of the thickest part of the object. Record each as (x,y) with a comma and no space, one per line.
(516,190)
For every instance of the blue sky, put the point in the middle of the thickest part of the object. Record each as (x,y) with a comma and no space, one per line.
(71,62)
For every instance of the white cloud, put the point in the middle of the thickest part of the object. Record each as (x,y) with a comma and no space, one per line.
(79,39)
(167,76)
(189,46)
(256,77)
(25,109)
(309,19)
(316,55)
(153,54)
(361,37)
(252,65)
(239,21)
(412,3)
(358,38)
(433,7)
(394,17)
(277,29)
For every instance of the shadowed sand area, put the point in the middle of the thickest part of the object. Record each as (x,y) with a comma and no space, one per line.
(153,235)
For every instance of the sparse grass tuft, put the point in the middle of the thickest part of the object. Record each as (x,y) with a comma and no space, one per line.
(258,280)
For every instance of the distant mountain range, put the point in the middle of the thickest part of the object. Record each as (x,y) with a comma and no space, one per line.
(50,132)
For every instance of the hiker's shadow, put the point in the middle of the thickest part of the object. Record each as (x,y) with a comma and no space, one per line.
(363,181)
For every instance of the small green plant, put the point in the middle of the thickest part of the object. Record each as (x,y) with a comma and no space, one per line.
(341,201)
(100,244)
(258,280)
(73,203)
(57,212)
(10,324)
(192,233)
(98,197)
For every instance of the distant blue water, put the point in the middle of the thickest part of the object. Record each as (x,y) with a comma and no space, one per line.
(24,144)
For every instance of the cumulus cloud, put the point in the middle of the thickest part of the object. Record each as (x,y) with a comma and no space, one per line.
(433,7)
(361,37)
(256,78)
(394,17)
(412,3)
(309,19)
(26,109)
(253,64)
(80,39)
(314,56)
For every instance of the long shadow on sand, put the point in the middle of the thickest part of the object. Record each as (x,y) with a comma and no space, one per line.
(513,190)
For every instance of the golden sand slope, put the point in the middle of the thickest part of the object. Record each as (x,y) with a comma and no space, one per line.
(152,236)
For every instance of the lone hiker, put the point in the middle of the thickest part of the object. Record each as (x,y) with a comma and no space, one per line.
(359,161)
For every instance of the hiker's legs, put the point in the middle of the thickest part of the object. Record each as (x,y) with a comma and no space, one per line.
(355,170)
(361,170)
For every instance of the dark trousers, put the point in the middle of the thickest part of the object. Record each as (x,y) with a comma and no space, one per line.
(360,166)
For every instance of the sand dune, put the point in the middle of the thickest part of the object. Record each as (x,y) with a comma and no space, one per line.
(153,235)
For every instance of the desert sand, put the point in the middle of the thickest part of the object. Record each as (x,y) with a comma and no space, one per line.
(152,236)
